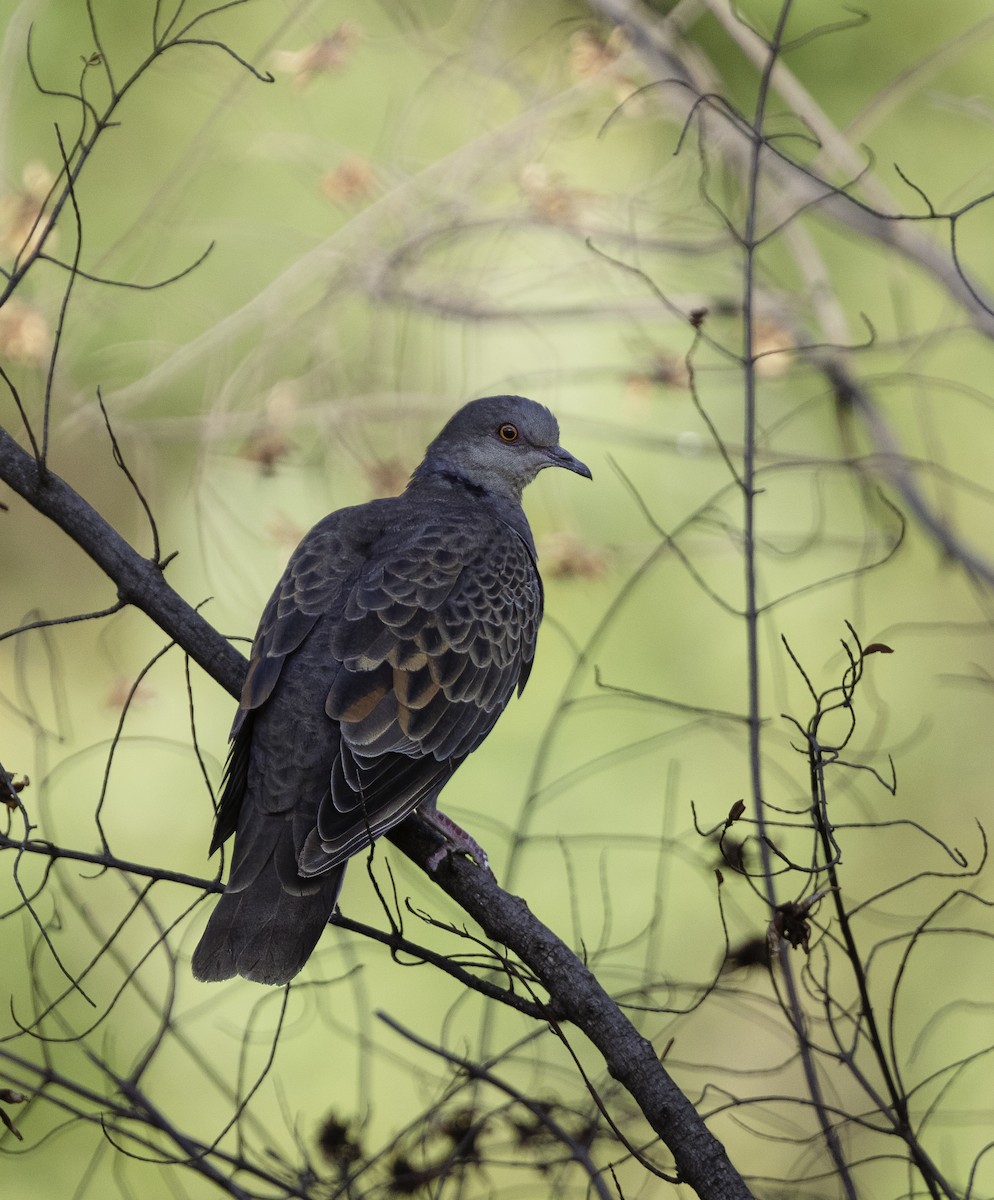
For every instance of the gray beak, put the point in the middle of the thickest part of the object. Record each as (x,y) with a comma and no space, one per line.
(558,457)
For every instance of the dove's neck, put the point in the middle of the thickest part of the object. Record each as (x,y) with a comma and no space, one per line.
(442,476)
(446,485)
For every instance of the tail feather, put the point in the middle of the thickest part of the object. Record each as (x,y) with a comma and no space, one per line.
(265,933)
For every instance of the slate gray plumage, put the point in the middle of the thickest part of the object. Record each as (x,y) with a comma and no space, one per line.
(391,645)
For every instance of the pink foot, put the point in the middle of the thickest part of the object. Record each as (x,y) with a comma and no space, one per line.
(457,840)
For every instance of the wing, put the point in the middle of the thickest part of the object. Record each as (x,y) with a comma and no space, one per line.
(432,639)
(319,573)
(412,628)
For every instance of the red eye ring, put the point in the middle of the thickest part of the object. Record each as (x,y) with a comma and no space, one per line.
(508,433)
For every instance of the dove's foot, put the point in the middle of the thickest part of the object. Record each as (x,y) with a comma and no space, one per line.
(457,840)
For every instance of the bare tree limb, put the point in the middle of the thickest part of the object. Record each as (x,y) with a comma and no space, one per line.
(139,581)
(573,990)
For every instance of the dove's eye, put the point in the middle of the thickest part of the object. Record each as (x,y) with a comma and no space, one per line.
(508,433)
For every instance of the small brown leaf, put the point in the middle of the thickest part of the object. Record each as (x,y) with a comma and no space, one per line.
(353,179)
(266,448)
(9,1096)
(566,556)
(387,476)
(22,224)
(328,54)
(753,952)
(877,648)
(24,334)
(337,1143)
(4,1119)
(771,346)
(10,789)
(736,811)
(124,691)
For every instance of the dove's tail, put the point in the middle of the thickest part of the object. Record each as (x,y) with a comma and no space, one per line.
(264,932)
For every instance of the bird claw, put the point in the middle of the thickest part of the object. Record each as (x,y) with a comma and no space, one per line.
(457,841)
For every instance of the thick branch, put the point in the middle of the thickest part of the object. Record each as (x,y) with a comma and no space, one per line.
(573,991)
(139,580)
(700,1158)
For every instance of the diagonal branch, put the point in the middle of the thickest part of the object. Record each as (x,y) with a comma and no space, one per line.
(631,1059)
(139,581)
(573,990)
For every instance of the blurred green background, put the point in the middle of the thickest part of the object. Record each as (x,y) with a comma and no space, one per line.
(436,201)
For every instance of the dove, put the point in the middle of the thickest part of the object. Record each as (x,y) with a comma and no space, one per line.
(397,635)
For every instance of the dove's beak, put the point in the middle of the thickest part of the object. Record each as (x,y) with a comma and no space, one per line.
(558,457)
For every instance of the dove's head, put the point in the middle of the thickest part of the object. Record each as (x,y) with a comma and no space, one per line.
(498,444)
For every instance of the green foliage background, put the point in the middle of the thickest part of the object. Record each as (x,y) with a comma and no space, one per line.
(503,194)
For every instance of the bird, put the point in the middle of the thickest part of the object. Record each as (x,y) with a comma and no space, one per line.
(394,640)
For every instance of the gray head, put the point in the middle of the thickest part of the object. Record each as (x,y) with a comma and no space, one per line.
(498,445)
